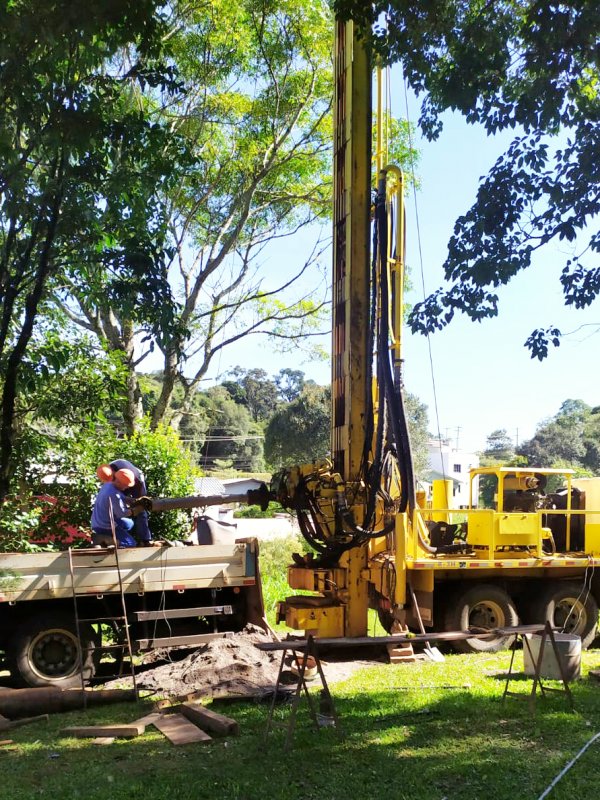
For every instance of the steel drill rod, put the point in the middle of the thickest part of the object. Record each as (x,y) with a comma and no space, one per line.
(198,501)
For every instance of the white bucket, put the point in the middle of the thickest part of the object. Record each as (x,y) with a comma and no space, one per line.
(569,649)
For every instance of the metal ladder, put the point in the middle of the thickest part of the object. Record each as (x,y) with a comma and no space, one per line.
(124,647)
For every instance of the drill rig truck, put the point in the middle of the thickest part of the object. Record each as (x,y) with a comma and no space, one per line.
(377,542)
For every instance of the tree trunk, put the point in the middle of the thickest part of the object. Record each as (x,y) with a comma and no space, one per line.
(163,404)
(133,408)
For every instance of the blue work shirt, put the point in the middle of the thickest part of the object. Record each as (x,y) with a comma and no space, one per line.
(100,515)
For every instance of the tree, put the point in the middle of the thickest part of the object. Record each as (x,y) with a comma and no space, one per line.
(527,66)
(570,438)
(253,389)
(417,416)
(290,383)
(500,447)
(75,182)
(300,432)
(257,120)
(166,465)
(232,438)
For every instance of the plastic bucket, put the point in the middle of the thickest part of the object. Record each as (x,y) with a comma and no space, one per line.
(569,649)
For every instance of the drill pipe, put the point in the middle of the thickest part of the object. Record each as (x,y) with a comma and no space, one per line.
(198,501)
(259,497)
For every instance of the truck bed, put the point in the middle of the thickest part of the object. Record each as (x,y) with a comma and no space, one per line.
(43,576)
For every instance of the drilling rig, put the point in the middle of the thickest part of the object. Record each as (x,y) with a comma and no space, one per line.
(375,541)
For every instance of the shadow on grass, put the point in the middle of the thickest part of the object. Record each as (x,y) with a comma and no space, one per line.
(420,744)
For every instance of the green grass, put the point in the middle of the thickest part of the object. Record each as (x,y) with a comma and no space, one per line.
(275,556)
(417,744)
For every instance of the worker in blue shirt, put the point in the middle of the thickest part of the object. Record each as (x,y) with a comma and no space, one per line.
(112,494)
(107,472)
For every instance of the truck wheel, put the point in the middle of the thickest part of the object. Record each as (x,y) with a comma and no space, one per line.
(484,606)
(45,652)
(569,607)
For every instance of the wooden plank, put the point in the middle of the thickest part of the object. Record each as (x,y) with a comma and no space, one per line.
(149,719)
(103,740)
(179,613)
(5,742)
(210,720)
(94,731)
(174,641)
(179,730)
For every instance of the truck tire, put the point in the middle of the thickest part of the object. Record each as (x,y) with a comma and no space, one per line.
(45,652)
(569,607)
(482,606)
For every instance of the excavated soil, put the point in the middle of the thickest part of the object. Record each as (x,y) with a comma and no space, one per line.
(233,666)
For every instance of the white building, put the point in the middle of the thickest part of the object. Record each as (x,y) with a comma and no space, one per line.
(452,464)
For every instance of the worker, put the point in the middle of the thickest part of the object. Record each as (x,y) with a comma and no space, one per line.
(106,472)
(112,494)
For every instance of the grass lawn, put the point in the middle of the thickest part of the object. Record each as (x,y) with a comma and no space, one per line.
(417,744)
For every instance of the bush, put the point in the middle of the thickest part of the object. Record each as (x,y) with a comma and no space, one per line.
(275,557)
(166,464)
(256,512)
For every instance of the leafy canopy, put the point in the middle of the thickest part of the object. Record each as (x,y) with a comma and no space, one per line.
(523,65)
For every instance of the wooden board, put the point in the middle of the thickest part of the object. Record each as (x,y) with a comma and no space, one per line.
(103,740)
(94,731)
(210,720)
(179,730)
(149,719)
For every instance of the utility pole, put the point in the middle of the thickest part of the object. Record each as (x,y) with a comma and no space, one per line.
(458,430)
(517,439)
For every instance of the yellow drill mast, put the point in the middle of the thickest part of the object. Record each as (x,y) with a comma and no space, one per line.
(347,507)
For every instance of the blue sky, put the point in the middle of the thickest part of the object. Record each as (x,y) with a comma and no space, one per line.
(484,377)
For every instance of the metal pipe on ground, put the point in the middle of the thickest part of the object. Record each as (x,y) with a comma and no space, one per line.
(16,703)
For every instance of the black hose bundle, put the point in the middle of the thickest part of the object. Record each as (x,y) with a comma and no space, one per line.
(386,450)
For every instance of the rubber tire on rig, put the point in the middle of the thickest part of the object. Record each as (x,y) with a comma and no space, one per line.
(483,605)
(45,652)
(553,605)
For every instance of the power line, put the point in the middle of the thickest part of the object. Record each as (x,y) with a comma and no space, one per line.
(223,439)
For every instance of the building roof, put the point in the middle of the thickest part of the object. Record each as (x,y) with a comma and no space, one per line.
(205,487)
(433,475)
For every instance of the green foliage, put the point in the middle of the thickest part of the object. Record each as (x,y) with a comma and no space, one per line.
(232,437)
(500,448)
(450,743)
(529,67)
(300,431)
(253,389)
(275,557)
(255,512)
(79,171)
(417,417)
(290,383)
(169,472)
(9,581)
(167,466)
(570,438)
(20,516)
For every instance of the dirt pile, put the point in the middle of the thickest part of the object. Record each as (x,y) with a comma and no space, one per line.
(232,666)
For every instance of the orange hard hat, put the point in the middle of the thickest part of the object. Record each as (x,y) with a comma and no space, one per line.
(125,477)
(105,473)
